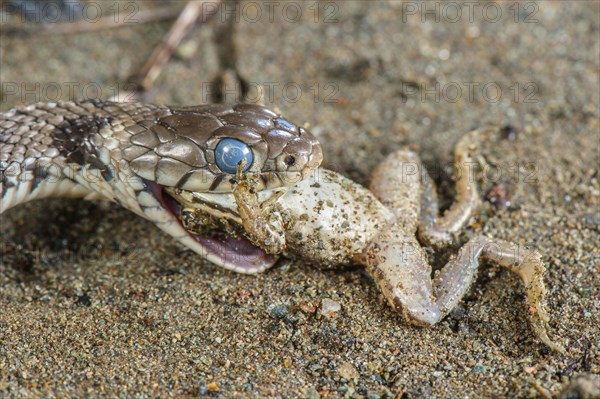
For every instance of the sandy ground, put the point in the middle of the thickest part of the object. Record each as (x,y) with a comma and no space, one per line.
(95,301)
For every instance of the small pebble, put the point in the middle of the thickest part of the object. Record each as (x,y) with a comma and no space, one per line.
(347,371)
(591,220)
(186,50)
(499,195)
(312,393)
(478,368)
(308,307)
(330,308)
(508,132)
(279,311)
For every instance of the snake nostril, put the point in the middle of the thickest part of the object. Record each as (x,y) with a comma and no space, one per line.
(290,160)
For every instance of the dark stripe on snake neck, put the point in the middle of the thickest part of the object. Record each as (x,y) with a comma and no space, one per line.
(6,184)
(40,173)
(75,140)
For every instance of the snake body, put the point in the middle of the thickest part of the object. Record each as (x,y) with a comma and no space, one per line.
(130,152)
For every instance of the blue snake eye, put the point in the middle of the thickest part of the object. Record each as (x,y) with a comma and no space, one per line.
(230,152)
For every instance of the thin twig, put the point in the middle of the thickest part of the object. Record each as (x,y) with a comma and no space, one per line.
(194,12)
(191,13)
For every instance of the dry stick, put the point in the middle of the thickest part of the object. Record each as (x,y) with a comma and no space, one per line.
(193,12)
(108,22)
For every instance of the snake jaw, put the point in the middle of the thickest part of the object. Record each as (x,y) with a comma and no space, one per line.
(231,252)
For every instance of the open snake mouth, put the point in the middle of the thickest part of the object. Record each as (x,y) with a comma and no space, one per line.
(232,252)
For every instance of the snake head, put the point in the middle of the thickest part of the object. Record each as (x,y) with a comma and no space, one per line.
(197,150)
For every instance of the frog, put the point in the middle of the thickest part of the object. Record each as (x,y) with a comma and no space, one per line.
(329,220)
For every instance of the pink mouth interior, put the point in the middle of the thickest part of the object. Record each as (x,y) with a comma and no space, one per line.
(235,252)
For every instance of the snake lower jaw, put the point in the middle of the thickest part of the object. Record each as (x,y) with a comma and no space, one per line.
(220,245)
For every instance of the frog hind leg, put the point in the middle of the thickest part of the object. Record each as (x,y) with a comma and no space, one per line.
(395,258)
(399,265)
(435,230)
